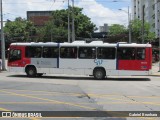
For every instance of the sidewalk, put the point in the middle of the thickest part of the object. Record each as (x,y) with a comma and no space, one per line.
(155,69)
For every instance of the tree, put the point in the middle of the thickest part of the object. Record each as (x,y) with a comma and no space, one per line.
(117,33)
(136,26)
(57,28)
(20,30)
(117,29)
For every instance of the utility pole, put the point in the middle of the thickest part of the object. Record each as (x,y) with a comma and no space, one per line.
(2,40)
(159,47)
(129,25)
(143,23)
(73,30)
(158,13)
(69,38)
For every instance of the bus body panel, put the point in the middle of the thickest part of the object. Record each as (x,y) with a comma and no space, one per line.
(139,65)
(87,63)
(133,72)
(85,66)
(44,62)
(16,69)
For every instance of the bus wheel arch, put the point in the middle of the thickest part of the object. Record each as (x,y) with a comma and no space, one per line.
(99,73)
(31,71)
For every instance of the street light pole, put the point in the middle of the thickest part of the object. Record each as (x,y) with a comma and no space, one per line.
(2,40)
(129,26)
(158,2)
(143,23)
(73,30)
(69,40)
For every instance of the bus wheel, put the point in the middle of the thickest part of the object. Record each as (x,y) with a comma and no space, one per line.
(31,71)
(99,74)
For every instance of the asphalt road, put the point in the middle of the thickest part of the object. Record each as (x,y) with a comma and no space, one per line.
(74,93)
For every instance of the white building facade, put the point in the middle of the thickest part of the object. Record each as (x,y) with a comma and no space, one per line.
(151,13)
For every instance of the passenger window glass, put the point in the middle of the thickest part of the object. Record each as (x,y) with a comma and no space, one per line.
(14,55)
(87,52)
(68,52)
(126,53)
(140,53)
(105,53)
(50,52)
(33,52)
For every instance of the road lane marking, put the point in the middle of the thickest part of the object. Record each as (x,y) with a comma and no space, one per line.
(79,94)
(45,99)
(3,109)
(148,103)
(95,95)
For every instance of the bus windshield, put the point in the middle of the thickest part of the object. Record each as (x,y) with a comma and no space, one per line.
(14,55)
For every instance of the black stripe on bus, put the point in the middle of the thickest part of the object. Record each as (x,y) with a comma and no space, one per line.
(117,57)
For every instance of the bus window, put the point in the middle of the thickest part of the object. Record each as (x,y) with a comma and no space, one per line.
(87,52)
(140,53)
(68,52)
(126,53)
(33,52)
(50,52)
(105,53)
(14,55)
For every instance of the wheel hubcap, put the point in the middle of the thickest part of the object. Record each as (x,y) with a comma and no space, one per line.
(99,75)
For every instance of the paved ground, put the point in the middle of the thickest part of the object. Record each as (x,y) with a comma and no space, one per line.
(156,69)
(64,93)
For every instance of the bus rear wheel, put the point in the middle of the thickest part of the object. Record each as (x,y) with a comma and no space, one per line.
(31,72)
(99,74)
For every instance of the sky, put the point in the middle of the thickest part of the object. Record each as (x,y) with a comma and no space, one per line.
(100,11)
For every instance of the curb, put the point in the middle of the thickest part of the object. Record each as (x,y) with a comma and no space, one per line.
(157,75)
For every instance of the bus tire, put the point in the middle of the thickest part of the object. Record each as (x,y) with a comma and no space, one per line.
(99,73)
(31,71)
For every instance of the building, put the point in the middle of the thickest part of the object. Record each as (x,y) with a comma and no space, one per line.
(103,28)
(39,18)
(150,11)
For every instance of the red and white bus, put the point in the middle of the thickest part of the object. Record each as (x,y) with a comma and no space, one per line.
(79,58)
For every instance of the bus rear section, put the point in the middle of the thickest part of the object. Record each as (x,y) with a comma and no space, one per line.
(134,60)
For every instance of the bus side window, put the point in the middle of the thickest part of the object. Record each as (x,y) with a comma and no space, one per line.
(105,53)
(140,53)
(33,52)
(50,52)
(38,52)
(68,52)
(126,53)
(87,52)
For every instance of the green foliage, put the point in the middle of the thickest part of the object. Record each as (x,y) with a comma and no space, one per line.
(136,31)
(57,28)
(19,30)
(136,26)
(116,29)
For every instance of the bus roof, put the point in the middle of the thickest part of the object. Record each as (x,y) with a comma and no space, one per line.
(82,43)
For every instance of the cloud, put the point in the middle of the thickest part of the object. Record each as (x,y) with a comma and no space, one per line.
(96,11)
(16,8)
(100,14)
